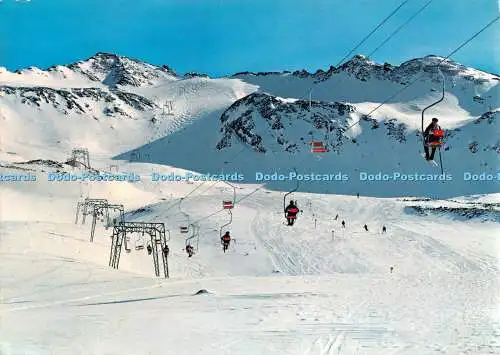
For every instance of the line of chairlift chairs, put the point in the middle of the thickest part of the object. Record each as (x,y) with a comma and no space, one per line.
(140,244)
(317,147)
(184,229)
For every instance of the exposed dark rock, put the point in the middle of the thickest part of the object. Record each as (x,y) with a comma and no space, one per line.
(485,214)
(70,100)
(239,120)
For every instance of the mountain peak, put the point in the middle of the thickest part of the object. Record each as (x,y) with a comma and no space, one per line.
(113,70)
(105,55)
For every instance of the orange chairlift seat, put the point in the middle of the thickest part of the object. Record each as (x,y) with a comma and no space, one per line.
(318,147)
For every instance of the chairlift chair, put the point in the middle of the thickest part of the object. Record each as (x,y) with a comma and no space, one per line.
(229,204)
(139,245)
(289,193)
(318,147)
(184,228)
(434,144)
(193,238)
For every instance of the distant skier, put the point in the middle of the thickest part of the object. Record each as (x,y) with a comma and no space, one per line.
(392,268)
(189,250)
(343,224)
(225,240)
(291,213)
(357,194)
(431,138)
(336,217)
(384,229)
(366,228)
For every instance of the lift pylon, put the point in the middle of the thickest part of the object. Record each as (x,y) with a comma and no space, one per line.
(157,235)
(102,210)
(80,157)
(86,207)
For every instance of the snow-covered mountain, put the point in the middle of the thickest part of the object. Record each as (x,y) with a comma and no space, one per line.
(113,70)
(365,69)
(260,121)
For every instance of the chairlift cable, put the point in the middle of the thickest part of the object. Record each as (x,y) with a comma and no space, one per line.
(421,74)
(373,31)
(369,35)
(400,28)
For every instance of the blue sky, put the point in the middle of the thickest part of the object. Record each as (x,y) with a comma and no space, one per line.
(221,37)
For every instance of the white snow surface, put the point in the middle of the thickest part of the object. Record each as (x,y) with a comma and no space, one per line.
(429,285)
(279,289)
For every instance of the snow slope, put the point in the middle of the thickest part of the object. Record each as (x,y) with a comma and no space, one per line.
(278,290)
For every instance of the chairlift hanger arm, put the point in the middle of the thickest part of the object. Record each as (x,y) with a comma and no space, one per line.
(234,191)
(290,192)
(227,224)
(436,102)
(181,211)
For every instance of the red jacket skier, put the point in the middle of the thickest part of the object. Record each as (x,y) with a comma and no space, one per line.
(291,213)
(431,138)
(225,239)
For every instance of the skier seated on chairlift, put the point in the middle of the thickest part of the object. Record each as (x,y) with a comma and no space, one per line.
(431,139)
(189,250)
(291,213)
(225,240)
(166,250)
(149,249)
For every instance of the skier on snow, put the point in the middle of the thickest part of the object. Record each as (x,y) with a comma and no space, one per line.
(225,239)
(430,139)
(343,224)
(366,228)
(384,229)
(291,213)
